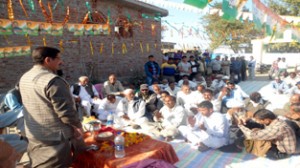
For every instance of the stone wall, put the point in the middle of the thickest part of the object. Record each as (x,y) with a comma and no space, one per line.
(76,54)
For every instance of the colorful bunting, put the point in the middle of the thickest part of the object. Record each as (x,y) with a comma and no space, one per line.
(197,3)
(229,8)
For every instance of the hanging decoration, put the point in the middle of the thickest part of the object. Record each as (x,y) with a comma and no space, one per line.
(19,27)
(45,28)
(10,10)
(61,2)
(229,8)
(101,48)
(47,17)
(177,5)
(124,49)
(33,28)
(6,27)
(85,19)
(87,4)
(28,40)
(67,17)
(31,5)
(61,45)
(50,11)
(153,32)
(141,47)
(91,47)
(57,29)
(8,52)
(109,21)
(44,41)
(112,48)
(197,3)
(23,8)
(147,47)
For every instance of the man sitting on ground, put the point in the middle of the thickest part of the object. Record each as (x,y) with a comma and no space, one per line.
(172,89)
(131,111)
(169,118)
(86,95)
(107,105)
(277,132)
(151,100)
(207,129)
(113,86)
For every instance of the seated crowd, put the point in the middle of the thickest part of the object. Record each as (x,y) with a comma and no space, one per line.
(209,115)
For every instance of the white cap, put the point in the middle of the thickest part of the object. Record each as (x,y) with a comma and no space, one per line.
(225,77)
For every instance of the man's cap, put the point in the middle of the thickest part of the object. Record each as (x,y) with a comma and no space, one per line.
(143,86)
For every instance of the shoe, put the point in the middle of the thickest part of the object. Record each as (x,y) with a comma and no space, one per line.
(203,148)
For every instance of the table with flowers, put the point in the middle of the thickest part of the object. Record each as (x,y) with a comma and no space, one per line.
(138,147)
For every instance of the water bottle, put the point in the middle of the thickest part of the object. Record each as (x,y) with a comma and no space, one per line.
(110,119)
(119,146)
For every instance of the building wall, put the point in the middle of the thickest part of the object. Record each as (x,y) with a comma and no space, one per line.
(76,54)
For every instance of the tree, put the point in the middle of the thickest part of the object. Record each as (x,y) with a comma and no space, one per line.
(232,33)
(285,7)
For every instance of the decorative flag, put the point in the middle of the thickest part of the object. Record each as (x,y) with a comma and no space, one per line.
(197,3)
(258,17)
(229,8)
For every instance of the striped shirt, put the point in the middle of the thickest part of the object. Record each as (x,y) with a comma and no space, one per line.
(278,132)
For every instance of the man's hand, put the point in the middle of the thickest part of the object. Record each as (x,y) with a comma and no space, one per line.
(78,133)
(293,116)
(202,127)
(192,120)
(125,117)
(77,99)
(242,121)
(158,115)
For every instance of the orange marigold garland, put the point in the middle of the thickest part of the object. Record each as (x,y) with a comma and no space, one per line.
(10,10)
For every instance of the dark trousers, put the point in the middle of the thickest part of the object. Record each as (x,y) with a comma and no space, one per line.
(275,154)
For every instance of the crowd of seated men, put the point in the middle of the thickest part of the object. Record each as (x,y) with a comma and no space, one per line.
(208,115)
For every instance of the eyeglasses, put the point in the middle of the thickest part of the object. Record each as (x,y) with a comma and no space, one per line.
(144,90)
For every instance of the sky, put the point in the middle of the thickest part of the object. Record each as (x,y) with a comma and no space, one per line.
(187,20)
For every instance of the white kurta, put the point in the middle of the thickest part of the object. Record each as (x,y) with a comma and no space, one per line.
(86,101)
(173,92)
(172,119)
(106,107)
(136,117)
(216,134)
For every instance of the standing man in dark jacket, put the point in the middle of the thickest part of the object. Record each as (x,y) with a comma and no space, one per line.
(52,125)
(152,70)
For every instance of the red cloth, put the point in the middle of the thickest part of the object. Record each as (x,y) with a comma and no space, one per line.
(148,149)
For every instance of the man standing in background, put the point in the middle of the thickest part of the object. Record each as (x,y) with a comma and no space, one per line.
(251,67)
(152,70)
